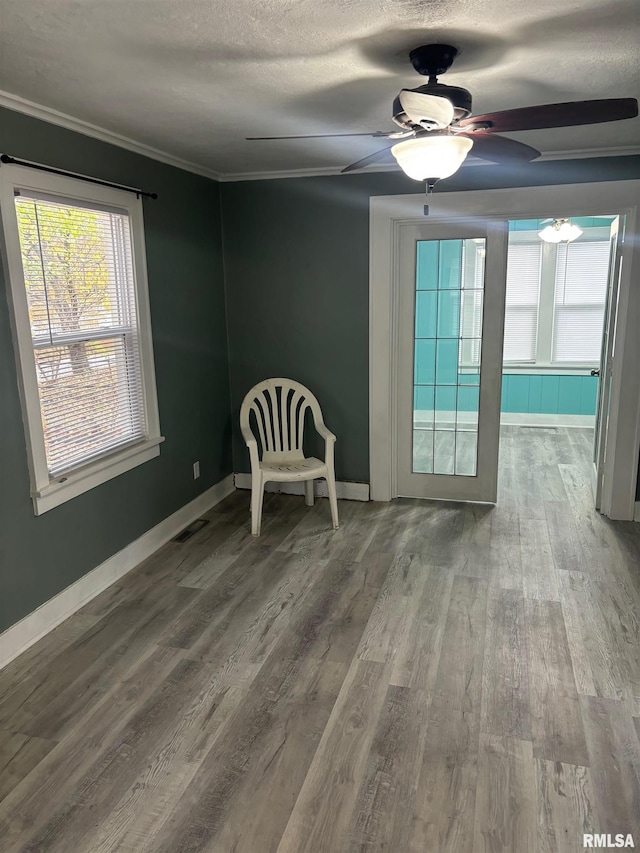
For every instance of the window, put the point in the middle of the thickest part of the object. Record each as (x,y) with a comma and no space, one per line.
(579,300)
(524,262)
(80,311)
(555,300)
(471,300)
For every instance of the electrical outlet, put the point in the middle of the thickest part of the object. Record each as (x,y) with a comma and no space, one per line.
(196,470)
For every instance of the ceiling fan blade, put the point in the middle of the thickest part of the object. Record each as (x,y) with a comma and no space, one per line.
(377,134)
(569,114)
(500,149)
(371,158)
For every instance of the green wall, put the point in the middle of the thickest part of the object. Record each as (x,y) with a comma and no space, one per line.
(296,268)
(297,278)
(39,556)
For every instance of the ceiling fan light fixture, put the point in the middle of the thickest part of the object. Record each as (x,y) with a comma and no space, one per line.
(560,231)
(431,157)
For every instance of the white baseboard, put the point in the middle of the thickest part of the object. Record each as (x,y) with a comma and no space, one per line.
(424,419)
(45,618)
(540,419)
(345,491)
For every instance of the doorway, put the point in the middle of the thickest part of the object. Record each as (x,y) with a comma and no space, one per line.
(484,210)
(552,294)
(557,307)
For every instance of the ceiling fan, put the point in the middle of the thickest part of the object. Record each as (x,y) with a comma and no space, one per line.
(437,130)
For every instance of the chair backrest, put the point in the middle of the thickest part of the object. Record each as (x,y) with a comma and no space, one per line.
(278,407)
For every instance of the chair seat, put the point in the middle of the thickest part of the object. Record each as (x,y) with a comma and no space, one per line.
(306,469)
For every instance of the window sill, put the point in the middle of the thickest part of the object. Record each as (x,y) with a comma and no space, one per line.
(84,479)
(551,369)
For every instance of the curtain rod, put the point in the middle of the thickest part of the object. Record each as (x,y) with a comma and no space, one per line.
(5,158)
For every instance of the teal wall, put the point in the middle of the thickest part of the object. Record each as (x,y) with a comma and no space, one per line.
(297,277)
(437,381)
(437,384)
(528,394)
(581,221)
(549,394)
(39,556)
(463,397)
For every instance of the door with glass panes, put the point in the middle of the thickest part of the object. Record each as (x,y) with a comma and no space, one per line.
(452,281)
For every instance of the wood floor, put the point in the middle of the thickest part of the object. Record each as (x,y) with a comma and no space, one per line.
(430,677)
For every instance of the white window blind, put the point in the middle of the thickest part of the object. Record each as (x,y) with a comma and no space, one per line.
(80,286)
(471,296)
(580,294)
(524,262)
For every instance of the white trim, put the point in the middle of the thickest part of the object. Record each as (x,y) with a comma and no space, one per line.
(320,171)
(546,308)
(532,369)
(48,114)
(542,419)
(424,419)
(612,197)
(50,492)
(45,618)
(587,154)
(77,482)
(344,490)
(39,111)
(623,429)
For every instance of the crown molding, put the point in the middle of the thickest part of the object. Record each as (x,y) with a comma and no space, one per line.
(228,177)
(578,154)
(21,105)
(591,153)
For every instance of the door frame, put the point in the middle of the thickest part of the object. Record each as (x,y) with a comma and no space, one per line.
(616,235)
(387,213)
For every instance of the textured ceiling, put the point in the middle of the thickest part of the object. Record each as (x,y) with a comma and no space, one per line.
(194,77)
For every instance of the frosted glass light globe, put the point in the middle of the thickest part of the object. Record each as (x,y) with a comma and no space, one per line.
(432,156)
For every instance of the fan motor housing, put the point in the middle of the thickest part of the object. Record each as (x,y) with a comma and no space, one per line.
(460,98)
(431,60)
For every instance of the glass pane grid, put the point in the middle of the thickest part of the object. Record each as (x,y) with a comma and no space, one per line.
(447,351)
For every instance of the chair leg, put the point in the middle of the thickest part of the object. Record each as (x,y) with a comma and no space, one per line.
(308,492)
(257,493)
(333,499)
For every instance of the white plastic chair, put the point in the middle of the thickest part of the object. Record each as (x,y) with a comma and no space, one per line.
(278,407)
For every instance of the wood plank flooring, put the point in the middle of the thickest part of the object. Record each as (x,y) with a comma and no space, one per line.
(429,678)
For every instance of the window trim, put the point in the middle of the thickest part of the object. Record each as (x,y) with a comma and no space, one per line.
(546,313)
(48,493)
